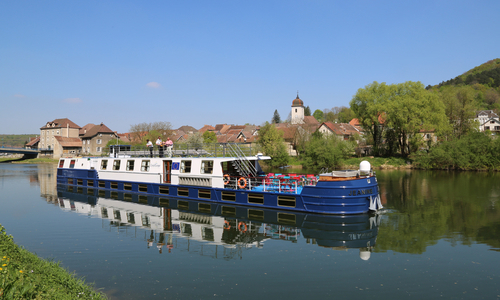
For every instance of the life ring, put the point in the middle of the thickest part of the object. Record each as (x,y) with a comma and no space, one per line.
(242,225)
(226,179)
(227,225)
(242,183)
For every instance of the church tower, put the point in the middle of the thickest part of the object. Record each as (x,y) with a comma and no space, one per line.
(297,110)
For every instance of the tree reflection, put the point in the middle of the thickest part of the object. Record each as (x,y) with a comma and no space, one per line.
(426,206)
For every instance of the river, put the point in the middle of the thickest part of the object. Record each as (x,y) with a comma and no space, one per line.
(438,236)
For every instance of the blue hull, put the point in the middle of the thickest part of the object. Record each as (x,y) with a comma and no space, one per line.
(326,197)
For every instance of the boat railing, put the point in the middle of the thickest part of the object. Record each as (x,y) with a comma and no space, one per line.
(280,183)
(183,150)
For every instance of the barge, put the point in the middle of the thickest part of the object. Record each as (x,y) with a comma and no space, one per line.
(233,178)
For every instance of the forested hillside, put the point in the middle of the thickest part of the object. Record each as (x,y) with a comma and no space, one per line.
(482,83)
(15,140)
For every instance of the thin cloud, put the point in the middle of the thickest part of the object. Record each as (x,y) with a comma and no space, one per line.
(72,100)
(154,85)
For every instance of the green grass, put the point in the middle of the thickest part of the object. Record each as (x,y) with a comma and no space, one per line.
(376,162)
(29,161)
(23,275)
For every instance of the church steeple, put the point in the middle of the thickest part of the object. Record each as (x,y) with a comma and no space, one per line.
(297,110)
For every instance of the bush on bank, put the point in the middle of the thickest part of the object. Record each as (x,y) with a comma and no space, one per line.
(23,275)
(474,151)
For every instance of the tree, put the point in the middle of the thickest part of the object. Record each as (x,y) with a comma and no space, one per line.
(460,107)
(345,115)
(410,108)
(195,140)
(209,137)
(272,143)
(327,151)
(141,132)
(307,111)
(368,105)
(318,115)
(276,117)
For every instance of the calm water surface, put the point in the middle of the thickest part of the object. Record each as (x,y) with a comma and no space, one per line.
(437,237)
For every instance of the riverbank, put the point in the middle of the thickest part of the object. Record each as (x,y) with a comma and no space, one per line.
(20,160)
(295,165)
(25,276)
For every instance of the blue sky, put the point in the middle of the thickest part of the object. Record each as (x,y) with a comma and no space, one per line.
(235,62)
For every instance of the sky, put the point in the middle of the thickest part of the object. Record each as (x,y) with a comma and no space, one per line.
(213,62)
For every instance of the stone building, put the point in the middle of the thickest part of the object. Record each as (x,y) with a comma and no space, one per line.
(60,137)
(95,137)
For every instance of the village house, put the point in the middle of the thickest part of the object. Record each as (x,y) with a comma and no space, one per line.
(95,138)
(60,138)
(343,131)
(488,120)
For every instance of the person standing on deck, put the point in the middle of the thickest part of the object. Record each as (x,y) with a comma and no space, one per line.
(150,147)
(169,143)
(159,144)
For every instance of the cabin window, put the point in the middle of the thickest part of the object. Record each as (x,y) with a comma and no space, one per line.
(90,182)
(184,192)
(102,184)
(207,166)
(143,188)
(256,198)
(163,190)
(288,201)
(127,186)
(145,166)
(185,166)
(61,163)
(116,165)
(204,194)
(114,185)
(130,165)
(72,164)
(104,164)
(228,196)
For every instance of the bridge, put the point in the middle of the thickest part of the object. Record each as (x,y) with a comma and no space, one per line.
(28,153)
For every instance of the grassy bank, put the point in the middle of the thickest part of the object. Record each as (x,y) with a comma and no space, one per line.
(28,161)
(23,275)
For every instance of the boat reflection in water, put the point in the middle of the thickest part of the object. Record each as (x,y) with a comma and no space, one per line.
(169,222)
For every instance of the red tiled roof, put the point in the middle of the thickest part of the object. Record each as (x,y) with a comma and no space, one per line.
(61,123)
(85,128)
(206,128)
(187,128)
(69,142)
(33,141)
(96,129)
(341,128)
